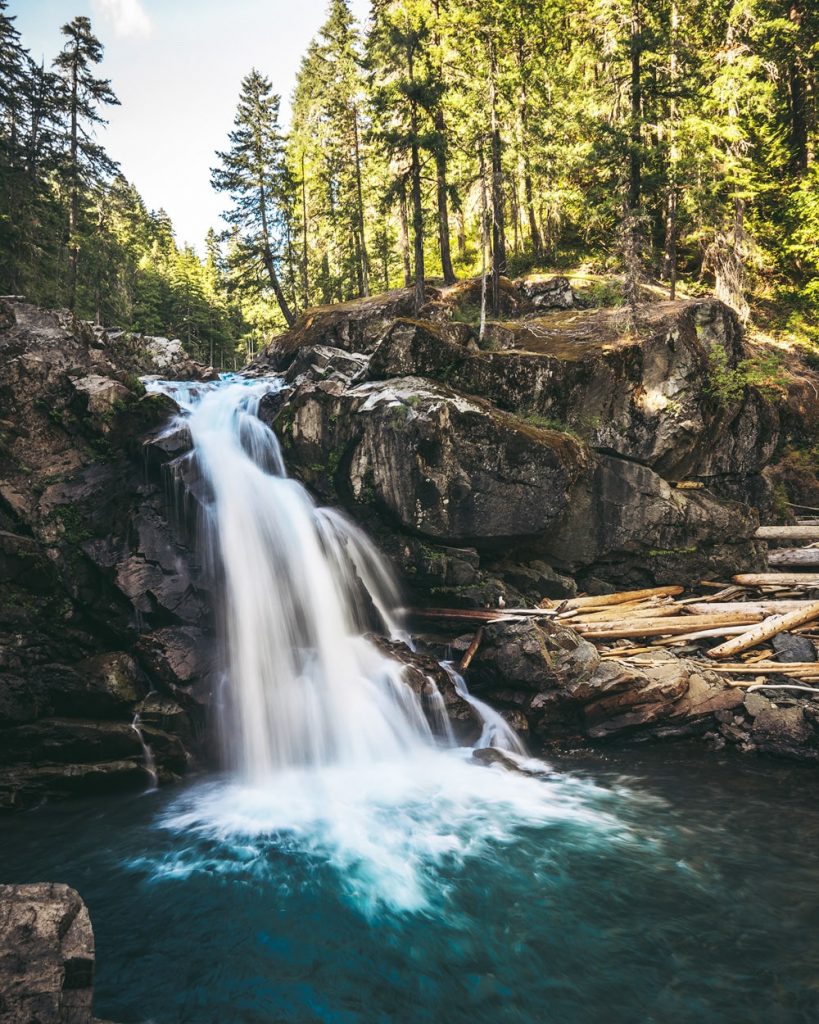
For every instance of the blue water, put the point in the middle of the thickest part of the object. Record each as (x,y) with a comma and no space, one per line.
(657,886)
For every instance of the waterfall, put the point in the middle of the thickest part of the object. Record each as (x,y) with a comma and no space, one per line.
(300,585)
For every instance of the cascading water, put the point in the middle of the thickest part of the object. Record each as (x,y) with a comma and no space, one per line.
(334,753)
(306,688)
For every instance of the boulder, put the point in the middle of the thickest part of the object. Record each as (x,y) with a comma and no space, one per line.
(355,326)
(557,680)
(46,955)
(643,395)
(448,467)
(547,292)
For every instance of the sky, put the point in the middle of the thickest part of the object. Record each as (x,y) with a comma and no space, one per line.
(176,66)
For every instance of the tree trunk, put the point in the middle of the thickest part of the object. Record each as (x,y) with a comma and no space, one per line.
(270,264)
(797,102)
(443,208)
(405,249)
(672,196)
(498,228)
(523,118)
(304,250)
(365,261)
(417,217)
(635,48)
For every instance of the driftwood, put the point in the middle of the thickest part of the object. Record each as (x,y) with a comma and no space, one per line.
(765,608)
(702,634)
(765,630)
(794,558)
(628,628)
(788,533)
(624,597)
(787,668)
(626,613)
(471,651)
(777,579)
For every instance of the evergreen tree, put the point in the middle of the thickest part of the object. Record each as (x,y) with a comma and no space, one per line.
(84,162)
(253,173)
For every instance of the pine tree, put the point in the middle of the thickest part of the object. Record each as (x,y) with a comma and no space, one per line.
(85,162)
(253,173)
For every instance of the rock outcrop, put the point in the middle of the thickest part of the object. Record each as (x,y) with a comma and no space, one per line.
(568,694)
(46,956)
(98,594)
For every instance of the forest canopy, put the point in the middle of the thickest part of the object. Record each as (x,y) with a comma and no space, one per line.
(654,140)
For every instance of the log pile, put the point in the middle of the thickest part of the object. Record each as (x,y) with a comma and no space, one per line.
(730,625)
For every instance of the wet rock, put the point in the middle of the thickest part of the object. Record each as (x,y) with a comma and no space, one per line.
(531,656)
(785,732)
(182,658)
(643,395)
(632,526)
(424,675)
(790,647)
(87,558)
(46,955)
(355,326)
(322,362)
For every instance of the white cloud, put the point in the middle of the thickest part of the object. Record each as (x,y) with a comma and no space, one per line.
(126,17)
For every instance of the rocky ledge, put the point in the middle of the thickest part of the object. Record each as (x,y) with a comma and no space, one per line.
(565,443)
(46,956)
(104,615)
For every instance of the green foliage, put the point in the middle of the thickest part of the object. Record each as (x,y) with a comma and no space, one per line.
(729,383)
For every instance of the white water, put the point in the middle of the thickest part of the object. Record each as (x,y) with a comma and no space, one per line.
(334,753)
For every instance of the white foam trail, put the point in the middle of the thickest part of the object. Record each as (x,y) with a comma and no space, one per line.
(392,836)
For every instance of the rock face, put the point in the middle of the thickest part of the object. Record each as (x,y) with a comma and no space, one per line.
(567,693)
(46,956)
(97,592)
(558,445)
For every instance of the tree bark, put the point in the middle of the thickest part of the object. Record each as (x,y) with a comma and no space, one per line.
(797,102)
(635,54)
(365,261)
(443,207)
(405,249)
(270,264)
(672,197)
(304,250)
(74,197)
(523,118)
(498,227)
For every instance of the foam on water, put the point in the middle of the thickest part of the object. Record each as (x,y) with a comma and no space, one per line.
(391,832)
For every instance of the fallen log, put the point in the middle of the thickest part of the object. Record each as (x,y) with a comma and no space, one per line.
(471,651)
(787,668)
(615,613)
(701,634)
(661,627)
(465,614)
(787,533)
(765,608)
(777,579)
(623,597)
(794,558)
(765,630)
